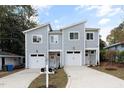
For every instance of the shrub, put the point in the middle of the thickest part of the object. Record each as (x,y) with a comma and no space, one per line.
(111,55)
(121,56)
(102,55)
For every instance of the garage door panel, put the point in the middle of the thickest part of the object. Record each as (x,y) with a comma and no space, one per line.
(73,58)
(37,61)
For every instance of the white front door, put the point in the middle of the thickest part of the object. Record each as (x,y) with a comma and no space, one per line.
(52,61)
(90,57)
(87,58)
(37,61)
(73,58)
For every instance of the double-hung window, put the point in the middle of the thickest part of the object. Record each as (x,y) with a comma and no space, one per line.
(89,36)
(54,39)
(37,39)
(74,36)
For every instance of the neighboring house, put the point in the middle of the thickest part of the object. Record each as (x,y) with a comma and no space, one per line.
(117,46)
(10,58)
(74,45)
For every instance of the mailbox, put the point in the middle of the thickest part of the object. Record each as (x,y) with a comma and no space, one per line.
(42,69)
(50,69)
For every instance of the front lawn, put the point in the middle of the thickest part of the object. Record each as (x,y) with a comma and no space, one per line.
(57,80)
(118,72)
(6,73)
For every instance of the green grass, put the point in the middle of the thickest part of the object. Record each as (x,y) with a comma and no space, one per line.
(119,72)
(57,80)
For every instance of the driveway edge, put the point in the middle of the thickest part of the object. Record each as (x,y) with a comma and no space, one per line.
(69,80)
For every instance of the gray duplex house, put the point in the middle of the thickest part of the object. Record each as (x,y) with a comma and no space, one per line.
(74,45)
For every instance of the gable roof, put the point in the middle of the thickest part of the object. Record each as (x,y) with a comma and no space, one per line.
(116,44)
(94,29)
(43,25)
(75,24)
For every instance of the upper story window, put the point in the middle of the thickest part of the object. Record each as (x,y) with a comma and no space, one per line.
(54,39)
(37,38)
(74,35)
(89,36)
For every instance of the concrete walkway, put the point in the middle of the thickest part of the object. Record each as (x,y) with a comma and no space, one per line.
(20,79)
(84,77)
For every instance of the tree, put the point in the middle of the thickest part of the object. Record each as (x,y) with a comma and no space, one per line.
(14,20)
(102,44)
(102,50)
(116,35)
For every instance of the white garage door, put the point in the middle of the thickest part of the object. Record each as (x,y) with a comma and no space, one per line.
(73,58)
(37,61)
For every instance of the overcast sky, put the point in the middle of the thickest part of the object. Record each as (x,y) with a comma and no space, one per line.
(103,17)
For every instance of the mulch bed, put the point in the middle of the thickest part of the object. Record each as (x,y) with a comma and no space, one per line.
(57,80)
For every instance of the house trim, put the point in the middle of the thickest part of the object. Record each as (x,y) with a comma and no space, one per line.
(47,54)
(72,25)
(63,56)
(32,29)
(98,47)
(92,29)
(84,45)
(55,50)
(91,48)
(26,58)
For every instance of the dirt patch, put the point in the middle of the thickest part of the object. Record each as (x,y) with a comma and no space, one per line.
(115,69)
(118,65)
(6,73)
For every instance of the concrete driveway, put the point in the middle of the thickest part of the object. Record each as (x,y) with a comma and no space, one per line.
(20,79)
(84,77)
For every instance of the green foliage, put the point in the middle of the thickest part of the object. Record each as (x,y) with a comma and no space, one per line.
(14,20)
(111,55)
(121,56)
(102,44)
(102,50)
(116,35)
(102,55)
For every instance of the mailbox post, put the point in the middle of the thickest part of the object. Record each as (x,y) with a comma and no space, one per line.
(47,75)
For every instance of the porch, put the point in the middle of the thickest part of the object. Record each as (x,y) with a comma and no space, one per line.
(55,59)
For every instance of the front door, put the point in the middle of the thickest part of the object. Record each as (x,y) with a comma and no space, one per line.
(90,57)
(93,57)
(52,60)
(87,57)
